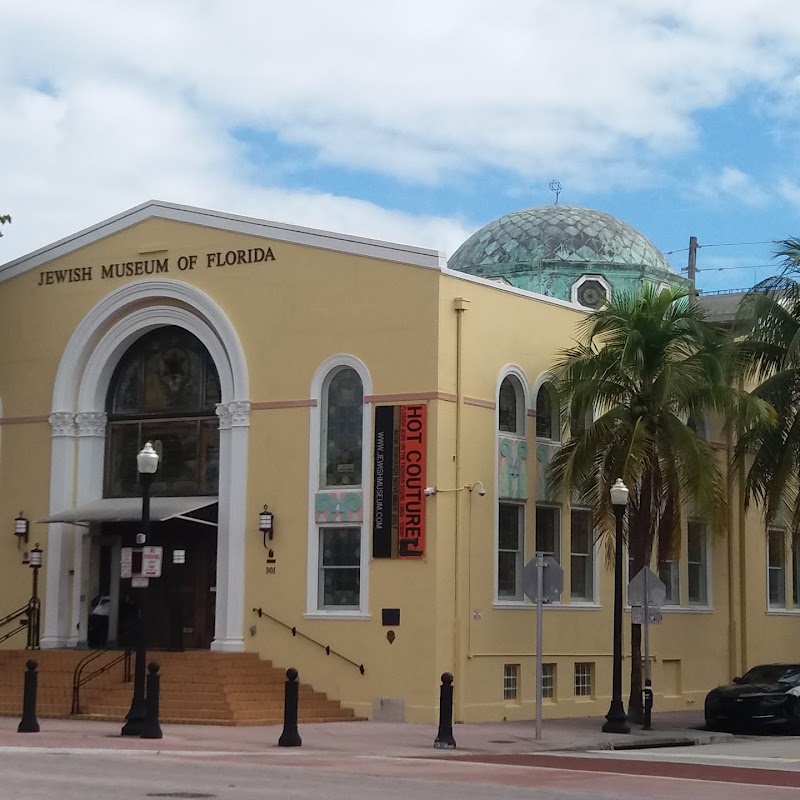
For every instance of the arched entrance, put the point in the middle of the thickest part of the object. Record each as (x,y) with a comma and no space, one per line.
(165,390)
(80,424)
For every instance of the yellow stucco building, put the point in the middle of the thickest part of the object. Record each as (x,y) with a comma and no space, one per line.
(395,417)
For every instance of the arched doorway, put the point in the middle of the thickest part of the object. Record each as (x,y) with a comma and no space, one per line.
(79,425)
(165,390)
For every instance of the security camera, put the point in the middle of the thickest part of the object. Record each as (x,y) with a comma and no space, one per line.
(429,490)
(481,490)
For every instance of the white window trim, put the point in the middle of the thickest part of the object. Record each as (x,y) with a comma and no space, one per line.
(784,609)
(709,604)
(313,611)
(515,371)
(546,378)
(522,511)
(585,278)
(594,601)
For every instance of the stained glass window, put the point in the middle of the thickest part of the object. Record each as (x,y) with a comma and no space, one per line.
(341,437)
(164,390)
(510,407)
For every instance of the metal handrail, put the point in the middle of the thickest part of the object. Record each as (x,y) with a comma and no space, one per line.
(9,618)
(327,648)
(79,679)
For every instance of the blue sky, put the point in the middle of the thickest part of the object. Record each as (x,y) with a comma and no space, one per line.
(416,122)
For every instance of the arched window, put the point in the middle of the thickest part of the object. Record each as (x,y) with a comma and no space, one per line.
(511,407)
(342,417)
(698,425)
(547,416)
(164,390)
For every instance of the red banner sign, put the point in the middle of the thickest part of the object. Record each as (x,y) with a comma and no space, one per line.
(411,483)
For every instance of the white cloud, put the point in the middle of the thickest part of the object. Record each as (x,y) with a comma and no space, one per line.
(733,184)
(105,104)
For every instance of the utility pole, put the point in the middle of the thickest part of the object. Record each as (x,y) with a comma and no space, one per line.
(691,266)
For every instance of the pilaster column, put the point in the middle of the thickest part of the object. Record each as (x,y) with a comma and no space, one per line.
(234,429)
(91,455)
(59,537)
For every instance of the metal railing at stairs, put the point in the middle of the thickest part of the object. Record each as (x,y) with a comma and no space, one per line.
(80,679)
(22,616)
(327,648)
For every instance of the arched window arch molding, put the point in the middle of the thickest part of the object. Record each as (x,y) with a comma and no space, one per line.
(701,424)
(83,376)
(514,371)
(548,379)
(318,385)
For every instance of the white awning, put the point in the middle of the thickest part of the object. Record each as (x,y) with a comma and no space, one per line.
(129,509)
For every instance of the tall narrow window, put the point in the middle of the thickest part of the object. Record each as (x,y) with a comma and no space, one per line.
(510,551)
(697,548)
(581,555)
(340,574)
(669,574)
(547,422)
(548,531)
(796,571)
(776,568)
(511,407)
(343,410)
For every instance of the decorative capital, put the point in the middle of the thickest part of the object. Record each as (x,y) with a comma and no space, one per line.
(63,423)
(240,413)
(91,423)
(233,415)
(224,414)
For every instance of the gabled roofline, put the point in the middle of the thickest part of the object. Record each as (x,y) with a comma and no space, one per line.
(277,231)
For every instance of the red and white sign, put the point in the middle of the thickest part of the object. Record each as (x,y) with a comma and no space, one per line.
(152,558)
(411,504)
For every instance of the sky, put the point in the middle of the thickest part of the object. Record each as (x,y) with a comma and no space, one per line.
(413,122)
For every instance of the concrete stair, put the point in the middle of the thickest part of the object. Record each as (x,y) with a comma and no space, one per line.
(197,687)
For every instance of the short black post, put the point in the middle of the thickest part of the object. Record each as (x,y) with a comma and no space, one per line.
(290,736)
(444,739)
(647,702)
(29,723)
(151,728)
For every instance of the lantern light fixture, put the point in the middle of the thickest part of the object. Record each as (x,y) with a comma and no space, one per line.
(265,523)
(35,557)
(21,526)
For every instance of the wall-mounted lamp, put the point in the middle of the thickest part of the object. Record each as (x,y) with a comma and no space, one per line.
(21,529)
(35,558)
(265,524)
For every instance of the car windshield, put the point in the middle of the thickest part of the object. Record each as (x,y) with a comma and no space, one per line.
(774,673)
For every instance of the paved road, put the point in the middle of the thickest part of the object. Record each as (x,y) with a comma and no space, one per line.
(765,769)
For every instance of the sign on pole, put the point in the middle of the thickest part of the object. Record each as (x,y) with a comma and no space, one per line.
(552,580)
(656,590)
(542,582)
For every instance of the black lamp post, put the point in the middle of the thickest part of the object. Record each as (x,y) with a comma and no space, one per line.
(34,605)
(146,464)
(616,719)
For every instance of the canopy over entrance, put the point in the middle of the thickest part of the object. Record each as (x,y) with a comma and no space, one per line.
(129,509)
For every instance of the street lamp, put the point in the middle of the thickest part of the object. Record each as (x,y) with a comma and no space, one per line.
(616,719)
(146,465)
(34,605)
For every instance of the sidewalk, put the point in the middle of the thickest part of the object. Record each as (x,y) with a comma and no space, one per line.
(377,739)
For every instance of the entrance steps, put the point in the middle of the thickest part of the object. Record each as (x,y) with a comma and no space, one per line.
(197,687)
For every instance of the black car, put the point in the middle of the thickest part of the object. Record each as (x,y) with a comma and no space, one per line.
(765,694)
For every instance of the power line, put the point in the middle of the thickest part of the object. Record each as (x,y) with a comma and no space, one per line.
(721,244)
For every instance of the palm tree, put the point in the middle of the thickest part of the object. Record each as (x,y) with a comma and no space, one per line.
(644,365)
(770,355)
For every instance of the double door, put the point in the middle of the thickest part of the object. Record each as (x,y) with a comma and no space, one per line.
(181,604)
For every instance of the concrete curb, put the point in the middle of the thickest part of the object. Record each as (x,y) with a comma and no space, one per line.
(644,742)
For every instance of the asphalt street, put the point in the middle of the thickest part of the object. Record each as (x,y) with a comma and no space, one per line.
(748,768)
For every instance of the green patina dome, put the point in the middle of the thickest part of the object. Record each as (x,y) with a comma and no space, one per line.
(552,248)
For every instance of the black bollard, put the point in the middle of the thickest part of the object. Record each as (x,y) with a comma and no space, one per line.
(290,736)
(151,728)
(444,739)
(647,703)
(29,723)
